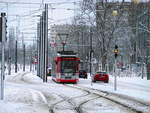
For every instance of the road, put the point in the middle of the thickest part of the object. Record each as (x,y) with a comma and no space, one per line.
(70,98)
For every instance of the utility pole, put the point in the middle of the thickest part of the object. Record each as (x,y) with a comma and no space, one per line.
(46,41)
(91,51)
(9,51)
(116,51)
(78,43)
(2,40)
(23,57)
(16,49)
(9,55)
(23,47)
(82,53)
(31,59)
(38,49)
(16,58)
(43,44)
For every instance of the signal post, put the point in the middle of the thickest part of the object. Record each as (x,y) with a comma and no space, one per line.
(3,33)
(116,52)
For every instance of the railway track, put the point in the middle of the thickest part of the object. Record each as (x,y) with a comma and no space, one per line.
(78,103)
(97,98)
(54,107)
(133,105)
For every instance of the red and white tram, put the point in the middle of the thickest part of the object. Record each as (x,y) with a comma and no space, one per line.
(66,67)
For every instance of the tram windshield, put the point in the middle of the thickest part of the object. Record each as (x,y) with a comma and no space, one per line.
(69,66)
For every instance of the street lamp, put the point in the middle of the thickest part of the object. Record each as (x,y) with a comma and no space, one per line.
(136,1)
(114,12)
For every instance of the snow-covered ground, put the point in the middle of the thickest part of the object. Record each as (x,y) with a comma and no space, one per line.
(134,87)
(26,93)
(21,100)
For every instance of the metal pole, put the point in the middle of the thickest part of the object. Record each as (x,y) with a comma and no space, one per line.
(16,52)
(135,58)
(90,49)
(16,58)
(40,42)
(91,54)
(82,44)
(41,46)
(38,49)
(31,59)
(9,58)
(46,41)
(78,43)
(9,64)
(147,65)
(3,20)
(23,57)
(9,51)
(115,75)
(63,46)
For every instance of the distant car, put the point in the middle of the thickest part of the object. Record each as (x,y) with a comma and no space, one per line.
(49,72)
(100,76)
(82,74)
(123,68)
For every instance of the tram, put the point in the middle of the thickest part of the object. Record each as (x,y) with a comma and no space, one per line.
(66,67)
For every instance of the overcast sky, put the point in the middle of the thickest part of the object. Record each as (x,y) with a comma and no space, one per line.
(24,13)
(28,12)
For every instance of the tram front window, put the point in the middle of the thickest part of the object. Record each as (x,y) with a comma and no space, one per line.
(68,66)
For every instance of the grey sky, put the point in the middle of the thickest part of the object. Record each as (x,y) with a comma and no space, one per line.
(24,15)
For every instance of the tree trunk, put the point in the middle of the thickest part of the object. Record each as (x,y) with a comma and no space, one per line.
(104,59)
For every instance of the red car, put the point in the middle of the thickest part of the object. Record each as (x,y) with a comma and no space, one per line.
(100,76)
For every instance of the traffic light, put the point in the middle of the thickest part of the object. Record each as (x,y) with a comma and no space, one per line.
(3,27)
(0,29)
(116,47)
(116,55)
(116,51)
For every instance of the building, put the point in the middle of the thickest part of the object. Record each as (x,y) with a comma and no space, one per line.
(133,15)
(60,36)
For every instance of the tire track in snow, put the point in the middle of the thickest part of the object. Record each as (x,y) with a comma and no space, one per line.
(131,104)
(68,100)
(79,106)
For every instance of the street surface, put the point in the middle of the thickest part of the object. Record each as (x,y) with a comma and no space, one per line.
(26,93)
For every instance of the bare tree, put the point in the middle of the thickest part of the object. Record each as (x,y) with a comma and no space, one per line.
(107,25)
